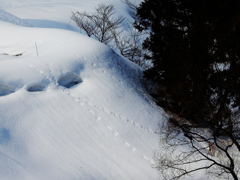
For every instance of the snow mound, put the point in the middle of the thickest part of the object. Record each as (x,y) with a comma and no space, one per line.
(76,110)
(5,16)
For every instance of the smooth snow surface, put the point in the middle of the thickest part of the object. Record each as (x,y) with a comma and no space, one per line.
(76,111)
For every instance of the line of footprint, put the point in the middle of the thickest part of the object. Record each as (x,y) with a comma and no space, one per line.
(83,101)
(6,89)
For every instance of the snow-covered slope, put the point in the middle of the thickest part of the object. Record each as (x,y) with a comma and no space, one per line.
(5,16)
(74,111)
(56,13)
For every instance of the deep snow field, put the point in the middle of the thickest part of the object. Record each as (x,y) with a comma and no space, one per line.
(76,110)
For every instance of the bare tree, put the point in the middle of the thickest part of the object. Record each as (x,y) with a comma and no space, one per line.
(188,148)
(130,46)
(101,25)
(131,4)
(84,23)
(105,28)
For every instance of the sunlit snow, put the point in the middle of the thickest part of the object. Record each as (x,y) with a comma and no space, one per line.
(71,108)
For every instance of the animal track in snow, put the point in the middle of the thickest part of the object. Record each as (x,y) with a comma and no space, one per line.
(39,71)
(109,127)
(131,147)
(122,118)
(151,161)
(98,118)
(69,80)
(145,157)
(36,88)
(91,111)
(53,76)
(114,132)
(6,90)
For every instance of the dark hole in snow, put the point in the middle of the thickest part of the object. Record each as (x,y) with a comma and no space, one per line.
(5,90)
(69,80)
(20,54)
(36,88)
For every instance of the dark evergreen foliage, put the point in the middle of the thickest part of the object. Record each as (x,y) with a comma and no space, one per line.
(195,49)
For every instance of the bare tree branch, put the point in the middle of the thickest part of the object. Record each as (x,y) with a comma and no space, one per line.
(100,25)
(203,150)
